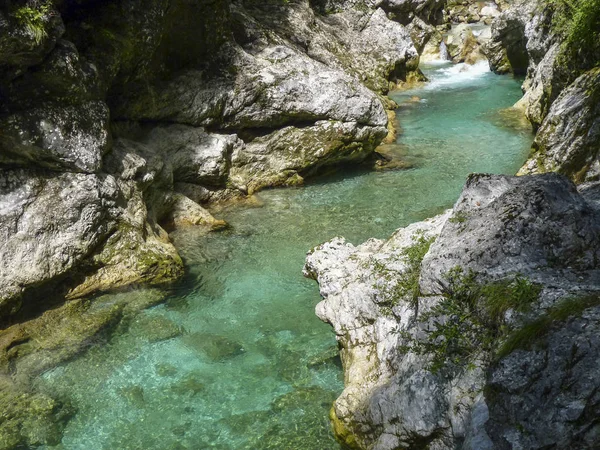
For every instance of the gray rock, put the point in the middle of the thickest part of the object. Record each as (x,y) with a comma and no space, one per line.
(195,155)
(540,227)
(23,45)
(49,224)
(406,10)
(542,86)
(549,397)
(569,137)
(537,226)
(287,155)
(56,136)
(278,86)
(462,44)
(507,49)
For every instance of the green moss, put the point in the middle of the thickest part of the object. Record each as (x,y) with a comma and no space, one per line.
(458,217)
(578,22)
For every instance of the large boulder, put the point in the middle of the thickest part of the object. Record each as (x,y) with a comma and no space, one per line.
(50,224)
(530,244)
(56,136)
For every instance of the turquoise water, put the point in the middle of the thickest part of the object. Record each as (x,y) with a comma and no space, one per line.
(250,366)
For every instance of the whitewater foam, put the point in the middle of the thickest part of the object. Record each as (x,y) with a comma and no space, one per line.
(456,75)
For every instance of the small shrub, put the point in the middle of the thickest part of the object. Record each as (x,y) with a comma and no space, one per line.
(469,320)
(33,18)
(406,286)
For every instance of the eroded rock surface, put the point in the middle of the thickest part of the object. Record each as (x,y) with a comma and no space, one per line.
(122,118)
(569,137)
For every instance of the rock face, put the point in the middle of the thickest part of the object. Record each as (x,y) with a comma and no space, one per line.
(524,388)
(560,96)
(569,137)
(121,117)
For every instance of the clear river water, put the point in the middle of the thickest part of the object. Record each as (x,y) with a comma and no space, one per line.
(254,368)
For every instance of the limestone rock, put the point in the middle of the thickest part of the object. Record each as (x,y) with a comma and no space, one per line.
(50,224)
(462,44)
(569,137)
(285,156)
(507,50)
(57,136)
(195,155)
(539,227)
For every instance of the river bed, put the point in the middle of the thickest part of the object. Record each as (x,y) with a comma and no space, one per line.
(253,367)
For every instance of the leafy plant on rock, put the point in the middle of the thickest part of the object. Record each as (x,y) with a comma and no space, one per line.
(469,319)
(33,17)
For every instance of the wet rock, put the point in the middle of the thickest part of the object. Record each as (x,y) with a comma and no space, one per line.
(165,370)
(30,419)
(462,44)
(183,211)
(189,384)
(154,328)
(569,137)
(134,395)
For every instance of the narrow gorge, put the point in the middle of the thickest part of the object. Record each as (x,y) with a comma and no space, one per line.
(152,292)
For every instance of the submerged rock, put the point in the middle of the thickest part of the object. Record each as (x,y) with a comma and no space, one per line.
(215,347)
(385,298)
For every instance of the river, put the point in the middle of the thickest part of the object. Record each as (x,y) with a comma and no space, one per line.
(254,367)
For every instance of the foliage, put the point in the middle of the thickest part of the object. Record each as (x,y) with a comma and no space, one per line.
(529,333)
(578,23)
(407,284)
(33,16)
(469,320)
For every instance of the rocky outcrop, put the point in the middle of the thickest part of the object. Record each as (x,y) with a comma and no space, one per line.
(464,45)
(123,117)
(471,12)
(569,137)
(559,91)
(450,323)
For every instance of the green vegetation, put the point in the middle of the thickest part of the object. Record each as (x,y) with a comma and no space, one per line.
(469,320)
(458,217)
(407,285)
(531,332)
(578,22)
(33,17)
